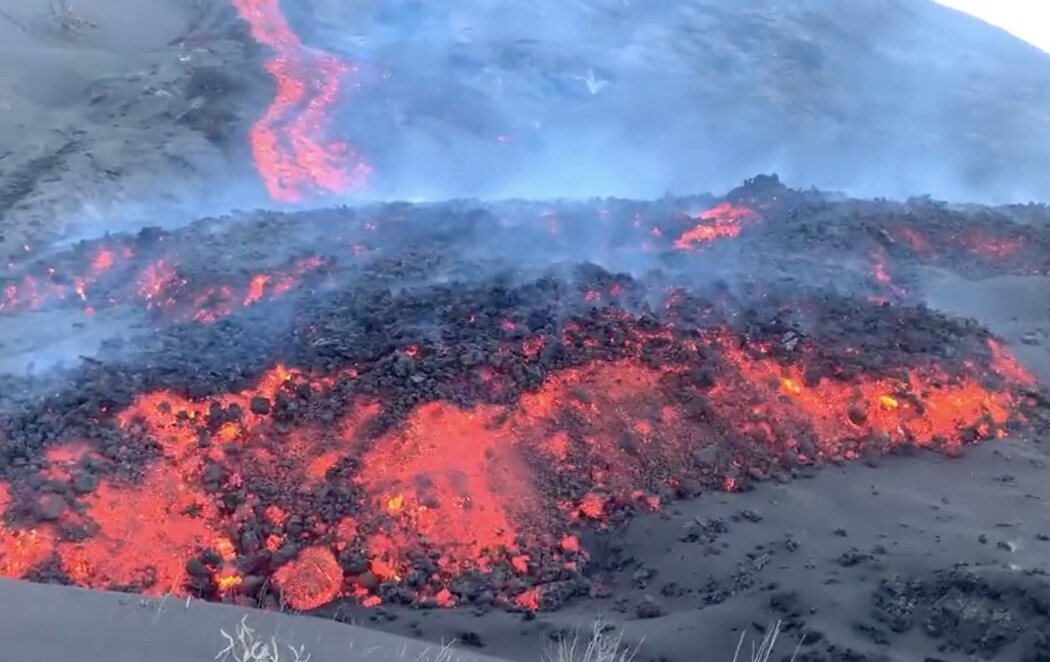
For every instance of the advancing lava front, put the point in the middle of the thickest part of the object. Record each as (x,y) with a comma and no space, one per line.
(440,404)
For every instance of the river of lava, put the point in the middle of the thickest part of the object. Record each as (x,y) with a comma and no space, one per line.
(439,503)
(292,153)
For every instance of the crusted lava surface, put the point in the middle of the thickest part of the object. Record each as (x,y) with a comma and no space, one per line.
(439,404)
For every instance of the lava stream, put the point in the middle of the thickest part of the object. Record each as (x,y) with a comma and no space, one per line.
(291,151)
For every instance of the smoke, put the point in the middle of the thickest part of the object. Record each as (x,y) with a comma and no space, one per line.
(584,98)
(180,204)
(617,97)
(52,342)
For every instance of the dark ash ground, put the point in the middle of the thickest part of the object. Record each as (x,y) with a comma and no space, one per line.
(907,556)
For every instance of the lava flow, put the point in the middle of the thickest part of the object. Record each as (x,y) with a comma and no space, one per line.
(401,424)
(427,504)
(724,220)
(289,144)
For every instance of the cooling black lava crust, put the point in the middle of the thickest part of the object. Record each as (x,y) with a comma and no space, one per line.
(448,404)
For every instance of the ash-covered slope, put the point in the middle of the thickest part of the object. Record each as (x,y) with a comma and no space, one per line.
(610,96)
(121,110)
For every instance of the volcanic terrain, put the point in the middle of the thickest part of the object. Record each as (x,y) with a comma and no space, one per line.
(369,406)
(491,421)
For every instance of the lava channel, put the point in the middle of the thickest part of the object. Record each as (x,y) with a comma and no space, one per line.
(292,152)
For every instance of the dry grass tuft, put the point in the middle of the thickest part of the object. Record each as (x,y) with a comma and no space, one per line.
(603,645)
(764,650)
(243,646)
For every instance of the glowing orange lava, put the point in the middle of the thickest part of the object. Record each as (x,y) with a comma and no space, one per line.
(291,152)
(161,288)
(487,488)
(20,550)
(154,281)
(990,246)
(923,408)
(145,535)
(1006,365)
(610,423)
(915,240)
(36,291)
(985,245)
(454,479)
(60,460)
(103,260)
(146,532)
(721,221)
(878,271)
(312,579)
(174,422)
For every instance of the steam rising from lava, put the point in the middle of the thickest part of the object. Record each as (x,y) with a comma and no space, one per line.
(334,416)
(468,465)
(553,99)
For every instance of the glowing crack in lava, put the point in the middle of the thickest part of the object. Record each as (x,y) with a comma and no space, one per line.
(882,277)
(160,287)
(722,221)
(33,292)
(291,152)
(379,501)
(989,246)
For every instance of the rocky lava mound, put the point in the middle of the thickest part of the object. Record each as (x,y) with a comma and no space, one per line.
(441,404)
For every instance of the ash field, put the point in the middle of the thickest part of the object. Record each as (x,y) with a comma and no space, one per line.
(494,419)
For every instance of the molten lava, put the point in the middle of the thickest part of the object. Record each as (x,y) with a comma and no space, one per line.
(35,291)
(21,549)
(921,408)
(312,579)
(454,479)
(134,522)
(395,425)
(721,221)
(989,246)
(292,153)
(448,491)
(882,277)
(162,289)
